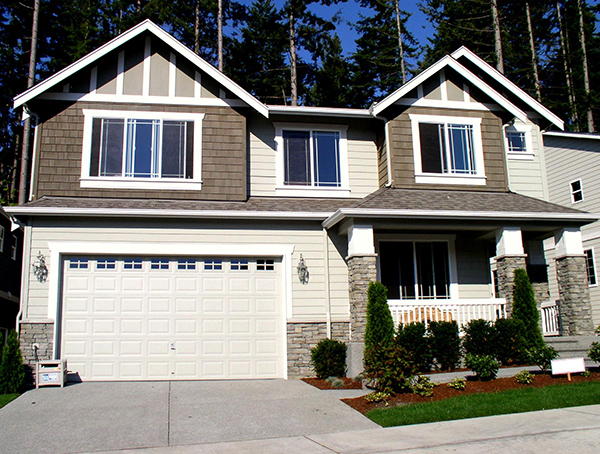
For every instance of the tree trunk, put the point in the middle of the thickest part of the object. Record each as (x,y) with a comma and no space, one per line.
(25,154)
(197,27)
(497,37)
(400,46)
(293,57)
(564,46)
(220,34)
(586,75)
(536,76)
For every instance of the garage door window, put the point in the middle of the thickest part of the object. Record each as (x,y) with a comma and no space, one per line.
(159,264)
(213,264)
(186,264)
(265,265)
(106,264)
(132,264)
(78,263)
(239,265)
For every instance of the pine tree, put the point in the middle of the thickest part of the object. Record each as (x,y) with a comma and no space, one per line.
(379,331)
(12,372)
(525,309)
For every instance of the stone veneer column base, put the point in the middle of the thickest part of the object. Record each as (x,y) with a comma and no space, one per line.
(574,304)
(505,268)
(35,332)
(302,337)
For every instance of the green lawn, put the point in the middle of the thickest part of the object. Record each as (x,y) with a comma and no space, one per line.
(6,398)
(476,405)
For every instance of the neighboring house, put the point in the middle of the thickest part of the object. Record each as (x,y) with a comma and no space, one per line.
(573,166)
(11,255)
(191,231)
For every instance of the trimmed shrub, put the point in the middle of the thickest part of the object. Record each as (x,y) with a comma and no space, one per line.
(594,352)
(389,369)
(328,358)
(413,337)
(484,366)
(524,377)
(510,344)
(480,338)
(445,344)
(458,383)
(542,356)
(422,386)
(525,309)
(379,330)
(12,372)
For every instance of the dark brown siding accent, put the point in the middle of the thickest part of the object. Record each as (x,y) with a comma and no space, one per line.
(403,169)
(382,159)
(223,155)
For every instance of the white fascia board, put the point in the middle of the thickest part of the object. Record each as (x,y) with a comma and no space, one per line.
(448,60)
(344,213)
(572,135)
(322,111)
(492,72)
(142,213)
(142,27)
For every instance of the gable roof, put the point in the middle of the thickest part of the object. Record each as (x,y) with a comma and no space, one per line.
(145,26)
(447,61)
(510,86)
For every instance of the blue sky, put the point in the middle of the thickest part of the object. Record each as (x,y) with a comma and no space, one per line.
(417,24)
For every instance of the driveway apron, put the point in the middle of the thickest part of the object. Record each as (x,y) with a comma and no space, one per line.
(97,416)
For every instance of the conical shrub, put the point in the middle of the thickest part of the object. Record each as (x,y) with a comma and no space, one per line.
(12,372)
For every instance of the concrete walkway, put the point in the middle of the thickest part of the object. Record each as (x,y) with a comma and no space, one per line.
(574,430)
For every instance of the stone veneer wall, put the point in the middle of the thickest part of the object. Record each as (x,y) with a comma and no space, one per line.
(362,270)
(302,337)
(574,305)
(506,267)
(33,332)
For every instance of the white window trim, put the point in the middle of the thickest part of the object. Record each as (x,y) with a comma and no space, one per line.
(572,192)
(452,268)
(87,181)
(311,191)
(478,179)
(593,264)
(528,155)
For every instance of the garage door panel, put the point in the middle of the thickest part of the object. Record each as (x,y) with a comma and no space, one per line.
(173,319)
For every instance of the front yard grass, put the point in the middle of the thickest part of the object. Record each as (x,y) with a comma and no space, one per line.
(500,403)
(6,398)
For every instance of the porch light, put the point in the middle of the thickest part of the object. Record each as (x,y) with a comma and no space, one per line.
(39,267)
(303,273)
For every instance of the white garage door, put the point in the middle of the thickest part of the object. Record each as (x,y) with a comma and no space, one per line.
(134,318)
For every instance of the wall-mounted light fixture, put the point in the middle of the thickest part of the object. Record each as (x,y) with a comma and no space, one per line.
(303,273)
(39,267)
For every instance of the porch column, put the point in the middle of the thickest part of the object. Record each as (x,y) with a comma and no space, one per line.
(510,256)
(362,269)
(571,274)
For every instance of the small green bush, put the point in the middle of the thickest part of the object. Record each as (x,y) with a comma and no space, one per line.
(413,337)
(594,352)
(388,368)
(12,372)
(484,366)
(524,377)
(328,358)
(525,309)
(377,396)
(542,356)
(422,386)
(510,344)
(445,344)
(379,330)
(586,373)
(480,338)
(337,383)
(458,383)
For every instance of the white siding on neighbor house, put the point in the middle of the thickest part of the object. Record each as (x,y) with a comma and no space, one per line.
(309,302)
(362,159)
(526,176)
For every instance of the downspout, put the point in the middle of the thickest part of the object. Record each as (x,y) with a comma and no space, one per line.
(34,158)
(327,277)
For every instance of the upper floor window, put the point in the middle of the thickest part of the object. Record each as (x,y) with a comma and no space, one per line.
(312,159)
(518,141)
(141,150)
(576,191)
(447,150)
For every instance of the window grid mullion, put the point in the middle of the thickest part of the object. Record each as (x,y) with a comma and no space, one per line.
(312,152)
(418,293)
(156,165)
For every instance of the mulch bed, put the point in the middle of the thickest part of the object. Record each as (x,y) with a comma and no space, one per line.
(322,383)
(443,391)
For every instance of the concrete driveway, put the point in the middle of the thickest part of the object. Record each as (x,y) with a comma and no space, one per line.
(89,417)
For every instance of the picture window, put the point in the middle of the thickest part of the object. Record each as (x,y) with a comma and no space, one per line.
(312,158)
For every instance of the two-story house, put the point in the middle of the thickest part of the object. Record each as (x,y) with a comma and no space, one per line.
(190,231)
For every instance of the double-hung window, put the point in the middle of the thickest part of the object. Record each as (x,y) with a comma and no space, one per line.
(447,150)
(590,267)
(312,158)
(141,150)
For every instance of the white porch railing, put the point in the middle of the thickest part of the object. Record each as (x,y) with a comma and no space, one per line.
(550,321)
(462,311)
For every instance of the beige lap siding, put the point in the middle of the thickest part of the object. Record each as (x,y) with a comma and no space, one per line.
(309,301)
